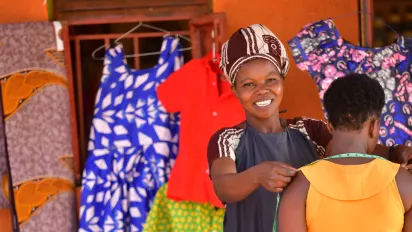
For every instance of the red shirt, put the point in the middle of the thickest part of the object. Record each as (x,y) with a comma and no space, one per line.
(206,104)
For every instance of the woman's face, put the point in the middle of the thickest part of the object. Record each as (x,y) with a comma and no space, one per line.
(259,88)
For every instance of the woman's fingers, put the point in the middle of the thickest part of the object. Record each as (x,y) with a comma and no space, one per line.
(287,166)
(280,178)
(284,171)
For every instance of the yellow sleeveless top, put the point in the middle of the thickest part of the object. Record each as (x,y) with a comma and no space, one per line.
(352,198)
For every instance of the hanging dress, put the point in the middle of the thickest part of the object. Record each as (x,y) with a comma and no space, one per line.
(320,50)
(133,143)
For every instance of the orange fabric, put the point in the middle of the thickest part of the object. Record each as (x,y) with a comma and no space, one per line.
(31,195)
(344,194)
(19,87)
(194,92)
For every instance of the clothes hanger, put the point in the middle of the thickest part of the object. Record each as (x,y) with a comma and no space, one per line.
(140,24)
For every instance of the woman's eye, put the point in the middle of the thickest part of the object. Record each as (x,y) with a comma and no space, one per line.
(248,84)
(271,80)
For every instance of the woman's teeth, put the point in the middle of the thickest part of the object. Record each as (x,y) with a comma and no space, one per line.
(263,103)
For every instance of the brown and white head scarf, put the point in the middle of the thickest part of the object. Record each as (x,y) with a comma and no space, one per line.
(253,42)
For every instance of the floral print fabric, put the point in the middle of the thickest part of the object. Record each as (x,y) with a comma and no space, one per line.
(396,123)
(319,49)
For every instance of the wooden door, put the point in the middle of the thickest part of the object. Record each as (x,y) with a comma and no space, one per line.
(201,28)
(64,33)
(367,18)
(286,18)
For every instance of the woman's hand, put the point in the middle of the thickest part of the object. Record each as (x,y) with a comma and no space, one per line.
(274,176)
(404,154)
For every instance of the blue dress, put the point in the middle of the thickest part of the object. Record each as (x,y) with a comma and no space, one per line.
(133,143)
(320,50)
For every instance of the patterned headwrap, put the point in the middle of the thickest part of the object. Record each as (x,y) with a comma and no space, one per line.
(253,42)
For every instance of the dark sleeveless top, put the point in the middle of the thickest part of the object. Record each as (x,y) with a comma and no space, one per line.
(294,146)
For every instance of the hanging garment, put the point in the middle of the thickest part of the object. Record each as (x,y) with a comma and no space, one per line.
(133,143)
(206,104)
(319,49)
(341,205)
(38,126)
(302,142)
(182,216)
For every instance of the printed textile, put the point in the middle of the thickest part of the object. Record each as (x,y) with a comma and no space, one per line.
(133,143)
(319,49)
(183,216)
(36,108)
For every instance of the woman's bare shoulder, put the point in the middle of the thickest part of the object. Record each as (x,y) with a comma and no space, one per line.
(404,184)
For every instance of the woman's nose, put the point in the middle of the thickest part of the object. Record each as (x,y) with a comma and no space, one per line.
(262,90)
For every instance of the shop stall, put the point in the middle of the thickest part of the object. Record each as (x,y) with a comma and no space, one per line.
(128,93)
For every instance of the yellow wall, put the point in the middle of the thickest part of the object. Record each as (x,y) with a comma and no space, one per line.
(285,18)
(18,11)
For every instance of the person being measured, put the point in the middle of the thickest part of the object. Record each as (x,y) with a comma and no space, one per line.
(350,190)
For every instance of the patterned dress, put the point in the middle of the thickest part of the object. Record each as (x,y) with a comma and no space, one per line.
(133,143)
(319,49)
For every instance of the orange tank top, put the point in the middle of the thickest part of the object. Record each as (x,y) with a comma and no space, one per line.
(362,198)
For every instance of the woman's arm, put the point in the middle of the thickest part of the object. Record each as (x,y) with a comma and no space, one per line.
(403,182)
(229,185)
(233,187)
(407,227)
(292,209)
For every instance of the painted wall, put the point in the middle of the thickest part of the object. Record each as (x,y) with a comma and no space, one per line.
(23,11)
(285,18)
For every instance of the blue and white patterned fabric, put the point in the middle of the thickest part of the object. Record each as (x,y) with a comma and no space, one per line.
(133,143)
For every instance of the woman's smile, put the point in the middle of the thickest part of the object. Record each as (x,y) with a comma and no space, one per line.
(264,103)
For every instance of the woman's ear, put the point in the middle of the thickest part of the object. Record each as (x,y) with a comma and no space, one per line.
(373,128)
(330,127)
(233,87)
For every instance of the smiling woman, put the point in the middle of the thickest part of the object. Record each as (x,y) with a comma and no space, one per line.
(251,163)
(248,161)
(259,88)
